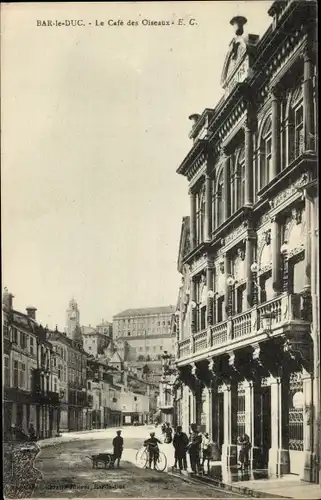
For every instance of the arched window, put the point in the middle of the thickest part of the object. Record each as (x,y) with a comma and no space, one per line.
(200,213)
(295,124)
(266,153)
(240,179)
(220,216)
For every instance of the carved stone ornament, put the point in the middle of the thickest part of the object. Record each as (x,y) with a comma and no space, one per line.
(256,354)
(267,237)
(241,253)
(221,267)
(296,215)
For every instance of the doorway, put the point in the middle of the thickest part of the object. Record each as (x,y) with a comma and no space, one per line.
(262,430)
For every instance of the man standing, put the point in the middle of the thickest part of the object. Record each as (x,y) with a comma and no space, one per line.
(118,444)
(194,448)
(180,443)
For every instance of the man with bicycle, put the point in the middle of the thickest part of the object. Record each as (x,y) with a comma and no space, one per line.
(152,449)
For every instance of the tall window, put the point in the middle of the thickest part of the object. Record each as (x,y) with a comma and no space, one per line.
(295,124)
(220,199)
(266,153)
(6,371)
(240,179)
(15,374)
(200,213)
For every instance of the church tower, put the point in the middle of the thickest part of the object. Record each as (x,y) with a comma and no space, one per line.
(73,325)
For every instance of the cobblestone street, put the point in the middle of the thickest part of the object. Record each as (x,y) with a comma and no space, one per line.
(67,472)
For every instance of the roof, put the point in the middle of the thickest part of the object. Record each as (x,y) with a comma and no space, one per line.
(146,311)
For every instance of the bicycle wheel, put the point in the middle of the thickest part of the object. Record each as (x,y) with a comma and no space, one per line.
(161,462)
(141,457)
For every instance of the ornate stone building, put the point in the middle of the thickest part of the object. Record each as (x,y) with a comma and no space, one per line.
(248,336)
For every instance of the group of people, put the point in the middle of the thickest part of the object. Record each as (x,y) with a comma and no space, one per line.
(199,447)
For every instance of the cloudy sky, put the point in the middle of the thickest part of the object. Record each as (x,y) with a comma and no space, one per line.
(94,126)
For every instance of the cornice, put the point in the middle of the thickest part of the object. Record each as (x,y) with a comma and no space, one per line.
(199,148)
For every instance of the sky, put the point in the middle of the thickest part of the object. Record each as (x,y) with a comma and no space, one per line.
(94,126)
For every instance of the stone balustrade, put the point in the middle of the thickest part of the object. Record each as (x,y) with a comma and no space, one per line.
(283,308)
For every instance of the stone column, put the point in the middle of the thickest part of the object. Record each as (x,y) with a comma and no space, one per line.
(308,471)
(193,220)
(249,259)
(208,208)
(276,255)
(248,141)
(276,135)
(227,193)
(308,99)
(229,448)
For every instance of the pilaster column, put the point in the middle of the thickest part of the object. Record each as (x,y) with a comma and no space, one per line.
(208,208)
(210,411)
(249,259)
(227,289)
(248,146)
(276,133)
(308,238)
(308,99)
(210,295)
(193,220)
(227,193)
(309,471)
(276,255)
(229,448)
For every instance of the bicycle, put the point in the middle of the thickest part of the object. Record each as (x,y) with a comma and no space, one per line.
(142,459)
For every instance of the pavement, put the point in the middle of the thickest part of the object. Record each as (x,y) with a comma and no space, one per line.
(71,450)
(67,470)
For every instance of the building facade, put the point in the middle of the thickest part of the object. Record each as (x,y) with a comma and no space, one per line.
(30,378)
(146,331)
(248,328)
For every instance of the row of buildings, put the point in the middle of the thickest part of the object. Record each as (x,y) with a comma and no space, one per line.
(51,382)
(248,335)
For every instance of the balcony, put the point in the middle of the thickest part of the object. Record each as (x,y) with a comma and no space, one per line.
(235,332)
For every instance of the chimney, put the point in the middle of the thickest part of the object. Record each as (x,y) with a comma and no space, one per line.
(31,312)
(7,297)
(194,117)
(238,22)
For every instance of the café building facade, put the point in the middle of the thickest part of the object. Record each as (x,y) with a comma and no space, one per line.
(248,336)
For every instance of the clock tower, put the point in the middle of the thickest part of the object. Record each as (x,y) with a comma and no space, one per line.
(73,326)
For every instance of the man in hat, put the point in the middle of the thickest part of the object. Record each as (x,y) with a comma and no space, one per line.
(118,444)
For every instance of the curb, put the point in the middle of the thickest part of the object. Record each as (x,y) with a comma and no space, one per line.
(248,492)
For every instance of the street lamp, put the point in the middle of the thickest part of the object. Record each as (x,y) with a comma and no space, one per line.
(285,252)
(254,270)
(230,283)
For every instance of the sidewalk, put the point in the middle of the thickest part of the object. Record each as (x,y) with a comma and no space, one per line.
(288,486)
